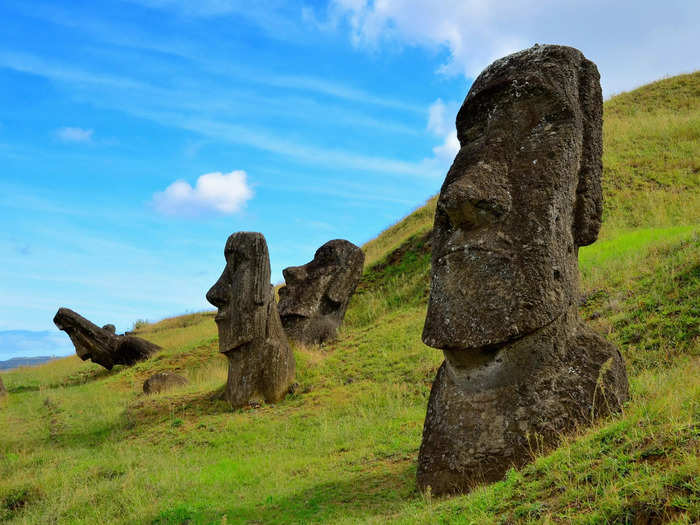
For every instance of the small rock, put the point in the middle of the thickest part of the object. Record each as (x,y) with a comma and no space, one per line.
(162,381)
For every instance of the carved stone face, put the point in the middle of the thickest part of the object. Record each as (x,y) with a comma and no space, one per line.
(517,202)
(243,292)
(324,284)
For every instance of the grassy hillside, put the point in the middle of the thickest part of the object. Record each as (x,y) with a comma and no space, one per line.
(79,444)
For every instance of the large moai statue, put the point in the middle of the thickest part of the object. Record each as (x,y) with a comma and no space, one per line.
(260,362)
(522,195)
(314,299)
(100,345)
(3,390)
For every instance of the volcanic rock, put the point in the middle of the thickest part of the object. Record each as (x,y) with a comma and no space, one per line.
(162,381)
(522,195)
(102,346)
(261,364)
(314,299)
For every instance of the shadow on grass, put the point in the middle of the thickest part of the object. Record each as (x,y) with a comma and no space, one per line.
(153,410)
(358,497)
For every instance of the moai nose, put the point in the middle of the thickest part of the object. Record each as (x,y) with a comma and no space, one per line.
(217,294)
(293,274)
(480,196)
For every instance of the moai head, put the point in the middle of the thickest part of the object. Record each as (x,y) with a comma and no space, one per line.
(243,292)
(101,345)
(314,299)
(523,193)
(90,341)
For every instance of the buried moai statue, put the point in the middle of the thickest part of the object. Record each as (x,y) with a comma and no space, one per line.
(260,362)
(522,195)
(314,299)
(101,345)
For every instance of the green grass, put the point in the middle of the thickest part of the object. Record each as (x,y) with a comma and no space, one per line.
(79,444)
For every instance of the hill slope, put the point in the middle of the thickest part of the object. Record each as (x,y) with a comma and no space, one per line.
(82,445)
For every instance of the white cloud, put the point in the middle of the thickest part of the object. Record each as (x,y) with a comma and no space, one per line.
(441,117)
(224,193)
(446,152)
(631,41)
(68,134)
(441,122)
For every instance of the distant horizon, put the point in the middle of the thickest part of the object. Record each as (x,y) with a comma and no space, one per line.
(137,135)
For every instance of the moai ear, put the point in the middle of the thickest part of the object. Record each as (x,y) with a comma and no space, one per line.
(342,284)
(337,289)
(261,257)
(588,213)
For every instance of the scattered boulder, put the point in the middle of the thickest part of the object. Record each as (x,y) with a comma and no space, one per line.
(102,346)
(162,381)
(522,195)
(314,299)
(250,332)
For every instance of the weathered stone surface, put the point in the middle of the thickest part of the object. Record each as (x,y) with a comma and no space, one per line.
(3,390)
(162,381)
(102,346)
(523,193)
(314,299)
(110,328)
(261,364)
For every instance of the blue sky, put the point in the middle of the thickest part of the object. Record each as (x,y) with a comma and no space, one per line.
(136,135)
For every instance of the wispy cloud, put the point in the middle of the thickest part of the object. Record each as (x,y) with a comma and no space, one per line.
(198,53)
(71,134)
(28,63)
(224,193)
(131,94)
(634,42)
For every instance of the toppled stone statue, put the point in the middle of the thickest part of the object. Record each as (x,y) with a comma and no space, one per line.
(260,362)
(162,381)
(522,195)
(314,299)
(102,346)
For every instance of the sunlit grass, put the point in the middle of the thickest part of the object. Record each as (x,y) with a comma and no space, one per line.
(79,444)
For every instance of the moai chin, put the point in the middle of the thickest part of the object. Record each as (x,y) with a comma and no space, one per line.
(314,299)
(261,364)
(522,195)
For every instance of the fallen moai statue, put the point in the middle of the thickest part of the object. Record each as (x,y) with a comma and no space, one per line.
(162,381)
(102,346)
(522,195)
(250,332)
(314,299)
